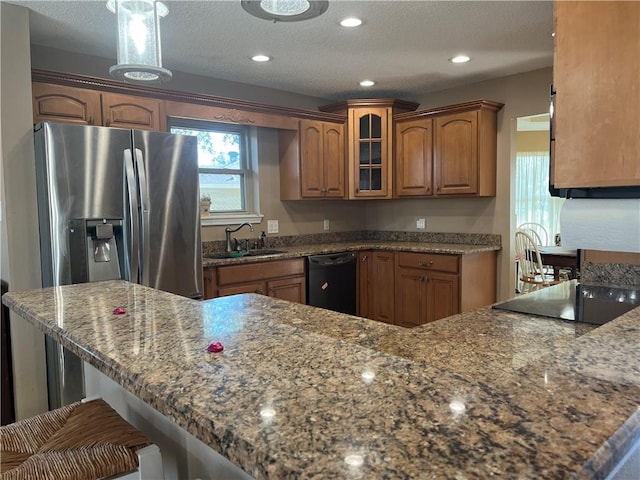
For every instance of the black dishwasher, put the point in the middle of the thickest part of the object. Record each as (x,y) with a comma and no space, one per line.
(331,281)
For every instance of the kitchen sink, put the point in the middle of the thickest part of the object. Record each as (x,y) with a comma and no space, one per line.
(251,253)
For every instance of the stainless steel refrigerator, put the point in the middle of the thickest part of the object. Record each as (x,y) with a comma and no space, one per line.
(114,203)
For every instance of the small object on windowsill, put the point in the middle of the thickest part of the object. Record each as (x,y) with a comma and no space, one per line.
(215,347)
(205,205)
(119,311)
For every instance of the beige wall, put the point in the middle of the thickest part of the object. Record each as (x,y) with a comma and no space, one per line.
(20,251)
(58,60)
(524,94)
(537,141)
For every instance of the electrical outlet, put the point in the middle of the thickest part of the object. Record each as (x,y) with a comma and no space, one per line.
(272,226)
(326,224)
(421,224)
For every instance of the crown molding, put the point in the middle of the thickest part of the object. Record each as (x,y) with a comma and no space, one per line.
(106,85)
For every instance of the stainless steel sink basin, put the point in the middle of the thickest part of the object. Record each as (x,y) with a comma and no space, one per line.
(251,253)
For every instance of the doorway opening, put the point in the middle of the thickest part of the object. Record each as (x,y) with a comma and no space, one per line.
(533,203)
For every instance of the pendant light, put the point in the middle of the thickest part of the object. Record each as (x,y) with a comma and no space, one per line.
(139,52)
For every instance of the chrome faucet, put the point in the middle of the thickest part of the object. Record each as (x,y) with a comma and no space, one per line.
(228,231)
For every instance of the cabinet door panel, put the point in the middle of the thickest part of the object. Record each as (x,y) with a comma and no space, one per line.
(125,111)
(443,296)
(382,290)
(59,103)
(456,154)
(210,287)
(370,171)
(597,104)
(291,289)
(414,157)
(411,297)
(364,283)
(311,159)
(334,160)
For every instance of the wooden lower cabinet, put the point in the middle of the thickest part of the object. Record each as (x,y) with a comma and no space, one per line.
(411,289)
(282,279)
(382,292)
(363,274)
(424,297)
(209,285)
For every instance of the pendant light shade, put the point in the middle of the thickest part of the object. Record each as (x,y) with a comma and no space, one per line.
(139,52)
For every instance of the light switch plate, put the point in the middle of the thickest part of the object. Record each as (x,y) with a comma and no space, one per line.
(326,224)
(272,226)
(421,224)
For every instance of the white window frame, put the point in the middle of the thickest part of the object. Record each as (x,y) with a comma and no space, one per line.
(249,172)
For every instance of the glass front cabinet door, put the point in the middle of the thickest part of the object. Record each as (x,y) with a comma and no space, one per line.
(371,153)
(369,144)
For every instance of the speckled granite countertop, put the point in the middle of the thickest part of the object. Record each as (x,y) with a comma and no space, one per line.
(301,392)
(335,247)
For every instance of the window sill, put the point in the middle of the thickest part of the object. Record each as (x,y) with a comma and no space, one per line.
(230,219)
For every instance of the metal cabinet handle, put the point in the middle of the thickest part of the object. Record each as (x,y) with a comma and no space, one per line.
(428,264)
(259,291)
(90,120)
(364,258)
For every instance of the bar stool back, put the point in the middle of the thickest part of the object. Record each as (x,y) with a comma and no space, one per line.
(81,441)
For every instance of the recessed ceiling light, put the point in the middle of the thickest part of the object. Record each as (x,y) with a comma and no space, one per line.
(260,58)
(367,83)
(285,11)
(351,22)
(460,59)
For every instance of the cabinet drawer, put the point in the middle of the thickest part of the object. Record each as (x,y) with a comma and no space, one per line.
(255,287)
(430,261)
(251,272)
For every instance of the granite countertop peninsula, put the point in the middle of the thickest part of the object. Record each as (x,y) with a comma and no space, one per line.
(483,394)
(302,246)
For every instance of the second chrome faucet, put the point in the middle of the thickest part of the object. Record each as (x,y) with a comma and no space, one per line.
(228,231)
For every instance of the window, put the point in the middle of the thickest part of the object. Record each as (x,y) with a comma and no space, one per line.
(226,170)
(533,201)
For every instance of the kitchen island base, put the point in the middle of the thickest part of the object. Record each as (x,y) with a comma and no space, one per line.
(183,455)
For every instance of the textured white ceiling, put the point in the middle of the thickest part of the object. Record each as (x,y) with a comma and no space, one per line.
(403,45)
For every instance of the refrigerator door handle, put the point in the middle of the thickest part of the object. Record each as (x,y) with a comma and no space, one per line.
(132,247)
(144,212)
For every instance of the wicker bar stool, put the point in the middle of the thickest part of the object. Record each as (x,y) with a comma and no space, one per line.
(81,441)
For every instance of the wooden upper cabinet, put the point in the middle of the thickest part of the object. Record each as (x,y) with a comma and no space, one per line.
(334,168)
(414,157)
(370,155)
(456,152)
(447,151)
(59,103)
(322,166)
(597,103)
(126,111)
(370,144)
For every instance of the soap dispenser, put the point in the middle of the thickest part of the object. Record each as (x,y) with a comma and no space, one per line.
(263,240)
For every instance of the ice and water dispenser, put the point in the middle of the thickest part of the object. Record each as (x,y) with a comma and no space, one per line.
(96,249)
